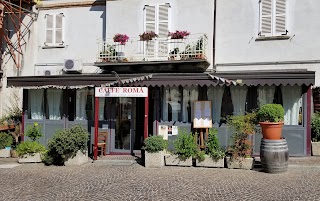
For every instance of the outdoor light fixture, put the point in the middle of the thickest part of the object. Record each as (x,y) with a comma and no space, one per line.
(116,74)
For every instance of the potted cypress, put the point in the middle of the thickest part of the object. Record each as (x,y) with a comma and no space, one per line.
(270,117)
(315,134)
(185,147)
(240,151)
(154,151)
(214,154)
(5,145)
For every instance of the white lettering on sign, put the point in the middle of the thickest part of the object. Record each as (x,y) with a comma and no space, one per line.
(121,92)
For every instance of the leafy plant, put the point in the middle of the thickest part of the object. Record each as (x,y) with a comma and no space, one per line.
(178,34)
(154,144)
(34,132)
(146,36)
(66,144)
(213,146)
(185,145)
(5,140)
(270,113)
(315,127)
(121,38)
(242,126)
(29,147)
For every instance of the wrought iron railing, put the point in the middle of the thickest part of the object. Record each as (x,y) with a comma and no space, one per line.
(159,49)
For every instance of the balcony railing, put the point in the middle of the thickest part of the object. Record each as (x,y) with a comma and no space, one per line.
(159,49)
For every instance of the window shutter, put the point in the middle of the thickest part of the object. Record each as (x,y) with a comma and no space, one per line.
(49,29)
(163,26)
(280,17)
(150,25)
(266,17)
(59,29)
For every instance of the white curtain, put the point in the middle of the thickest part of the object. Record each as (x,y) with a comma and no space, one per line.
(215,94)
(265,95)
(101,108)
(36,103)
(238,96)
(165,103)
(292,101)
(190,94)
(175,105)
(54,103)
(81,101)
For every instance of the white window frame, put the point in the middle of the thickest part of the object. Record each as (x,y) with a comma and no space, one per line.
(54,16)
(273,20)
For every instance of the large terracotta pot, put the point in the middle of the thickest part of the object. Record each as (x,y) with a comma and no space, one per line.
(271,130)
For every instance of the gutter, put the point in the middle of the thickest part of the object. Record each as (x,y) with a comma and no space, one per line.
(270,63)
(214,34)
(49,6)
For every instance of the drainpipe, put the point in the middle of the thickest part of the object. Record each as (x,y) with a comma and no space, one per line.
(214,35)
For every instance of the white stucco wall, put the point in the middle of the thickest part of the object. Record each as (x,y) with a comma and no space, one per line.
(126,17)
(238,26)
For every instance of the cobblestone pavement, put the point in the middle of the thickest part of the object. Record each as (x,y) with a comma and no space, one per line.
(102,181)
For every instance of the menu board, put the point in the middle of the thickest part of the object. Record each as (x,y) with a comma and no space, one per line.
(202,114)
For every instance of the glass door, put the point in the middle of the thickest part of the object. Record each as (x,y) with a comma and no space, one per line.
(122,140)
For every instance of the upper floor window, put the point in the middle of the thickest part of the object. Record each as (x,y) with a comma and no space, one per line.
(157,19)
(54,29)
(273,20)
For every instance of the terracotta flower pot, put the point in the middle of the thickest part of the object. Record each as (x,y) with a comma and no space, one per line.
(271,130)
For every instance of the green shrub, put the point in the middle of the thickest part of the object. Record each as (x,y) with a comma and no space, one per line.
(270,113)
(34,132)
(185,146)
(5,140)
(315,127)
(29,147)
(155,144)
(66,144)
(213,146)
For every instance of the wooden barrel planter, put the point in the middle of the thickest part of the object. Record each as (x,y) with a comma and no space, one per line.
(274,155)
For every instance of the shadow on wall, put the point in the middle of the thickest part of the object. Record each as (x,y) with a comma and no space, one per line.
(98,7)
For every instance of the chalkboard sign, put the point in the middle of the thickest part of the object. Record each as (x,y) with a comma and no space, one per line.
(202,114)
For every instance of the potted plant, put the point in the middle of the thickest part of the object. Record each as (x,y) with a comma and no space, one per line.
(121,38)
(270,117)
(68,147)
(31,151)
(5,145)
(146,36)
(185,147)
(240,150)
(174,55)
(154,151)
(214,153)
(178,34)
(315,134)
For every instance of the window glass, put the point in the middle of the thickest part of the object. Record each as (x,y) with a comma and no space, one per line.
(54,104)
(171,104)
(36,103)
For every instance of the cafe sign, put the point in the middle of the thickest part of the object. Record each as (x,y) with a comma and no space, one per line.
(121,91)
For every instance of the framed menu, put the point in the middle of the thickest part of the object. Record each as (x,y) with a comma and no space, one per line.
(202,114)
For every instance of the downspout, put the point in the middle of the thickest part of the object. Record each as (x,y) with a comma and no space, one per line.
(214,36)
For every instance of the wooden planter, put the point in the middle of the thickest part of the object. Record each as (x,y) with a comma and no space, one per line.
(315,148)
(30,158)
(175,160)
(210,162)
(241,163)
(154,160)
(271,130)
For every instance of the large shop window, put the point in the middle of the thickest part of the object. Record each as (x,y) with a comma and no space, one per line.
(54,104)
(84,104)
(36,103)
(215,95)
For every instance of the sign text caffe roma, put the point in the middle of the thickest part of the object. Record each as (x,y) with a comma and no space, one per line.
(121,92)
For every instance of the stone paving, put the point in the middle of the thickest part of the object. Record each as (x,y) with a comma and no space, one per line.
(103,181)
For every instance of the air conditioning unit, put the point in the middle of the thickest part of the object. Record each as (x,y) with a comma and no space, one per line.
(47,71)
(72,65)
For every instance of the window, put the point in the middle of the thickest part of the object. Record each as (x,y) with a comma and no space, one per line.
(156,19)
(54,29)
(273,20)
(171,104)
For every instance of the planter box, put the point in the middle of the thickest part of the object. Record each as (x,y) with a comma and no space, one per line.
(210,162)
(241,163)
(175,160)
(79,159)
(5,153)
(30,158)
(315,148)
(154,160)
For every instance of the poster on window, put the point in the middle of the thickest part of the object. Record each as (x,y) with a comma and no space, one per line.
(202,114)
(163,131)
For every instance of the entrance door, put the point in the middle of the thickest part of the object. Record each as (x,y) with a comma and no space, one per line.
(122,139)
